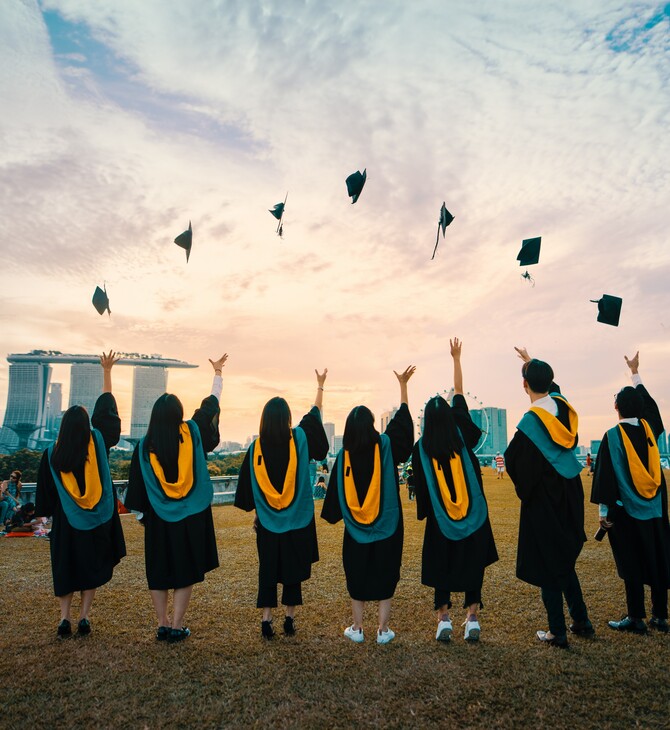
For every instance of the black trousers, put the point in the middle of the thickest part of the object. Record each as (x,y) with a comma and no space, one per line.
(443,598)
(553,602)
(291,595)
(635,600)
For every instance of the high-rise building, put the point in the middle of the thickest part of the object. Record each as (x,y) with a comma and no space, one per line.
(85,385)
(25,417)
(385,419)
(494,422)
(329,428)
(337,444)
(595,445)
(148,384)
(54,408)
(663,443)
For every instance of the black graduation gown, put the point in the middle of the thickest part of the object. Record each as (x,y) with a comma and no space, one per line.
(82,559)
(177,554)
(453,565)
(551,521)
(372,569)
(285,557)
(641,548)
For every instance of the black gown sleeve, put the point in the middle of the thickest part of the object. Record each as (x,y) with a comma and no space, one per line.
(650,413)
(317,441)
(45,492)
(401,432)
(207,420)
(524,463)
(136,496)
(331,510)
(604,489)
(470,431)
(420,487)
(106,419)
(244,496)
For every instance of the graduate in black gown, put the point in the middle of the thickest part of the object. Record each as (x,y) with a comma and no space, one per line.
(75,487)
(275,481)
(630,489)
(169,483)
(542,464)
(364,491)
(458,541)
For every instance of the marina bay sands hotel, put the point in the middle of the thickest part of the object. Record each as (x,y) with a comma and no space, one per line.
(34,403)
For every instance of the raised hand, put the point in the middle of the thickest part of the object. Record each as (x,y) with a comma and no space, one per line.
(107,360)
(218,364)
(523,354)
(321,377)
(406,375)
(633,363)
(455,348)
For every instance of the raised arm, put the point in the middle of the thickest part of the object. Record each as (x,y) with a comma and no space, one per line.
(107,362)
(320,380)
(402,379)
(523,354)
(633,363)
(217,385)
(456,346)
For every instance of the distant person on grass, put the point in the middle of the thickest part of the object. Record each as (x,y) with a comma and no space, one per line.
(275,481)
(364,491)
(75,486)
(500,466)
(13,486)
(169,484)
(458,542)
(542,464)
(629,487)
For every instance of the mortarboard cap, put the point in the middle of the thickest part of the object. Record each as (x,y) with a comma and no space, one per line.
(101,300)
(443,221)
(185,240)
(530,251)
(278,213)
(355,183)
(609,309)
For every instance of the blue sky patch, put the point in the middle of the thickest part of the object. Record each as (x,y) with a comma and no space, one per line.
(632,34)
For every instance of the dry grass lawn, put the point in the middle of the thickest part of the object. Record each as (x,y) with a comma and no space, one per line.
(225,675)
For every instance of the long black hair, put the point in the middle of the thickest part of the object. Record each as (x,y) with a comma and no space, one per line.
(275,421)
(629,403)
(359,430)
(163,433)
(71,449)
(440,435)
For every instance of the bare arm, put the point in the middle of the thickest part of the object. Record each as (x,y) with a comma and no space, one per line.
(402,379)
(523,354)
(456,346)
(320,380)
(107,362)
(633,363)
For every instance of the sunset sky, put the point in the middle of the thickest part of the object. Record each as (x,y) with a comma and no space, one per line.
(123,120)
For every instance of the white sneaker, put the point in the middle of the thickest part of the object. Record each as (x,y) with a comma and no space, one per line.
(472,630)
(383,637)
(444,629)
(356,635)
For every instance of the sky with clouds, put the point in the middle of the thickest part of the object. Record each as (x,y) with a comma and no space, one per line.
(123,121)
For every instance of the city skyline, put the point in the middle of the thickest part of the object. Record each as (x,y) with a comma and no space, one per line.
(124,121)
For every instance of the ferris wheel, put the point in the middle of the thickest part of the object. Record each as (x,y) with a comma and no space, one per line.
(474,404)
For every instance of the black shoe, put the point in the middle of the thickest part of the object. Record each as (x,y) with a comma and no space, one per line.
(64,629)
(631,625)
(561,642)
(583,628)
(84,627)
(267,631)
(289,626)
(659,624)
(176,635)
(163,632)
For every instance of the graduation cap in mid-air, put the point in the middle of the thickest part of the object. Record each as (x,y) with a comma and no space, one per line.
(529,255)
(101,300)
(278,213)
(185,240)
(355,183)
(443,221)
(609,309)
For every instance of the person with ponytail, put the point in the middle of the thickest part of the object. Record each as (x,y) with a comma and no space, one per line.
(75,487)
(275,481)
(364,492)
(169,484)
(458,542)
